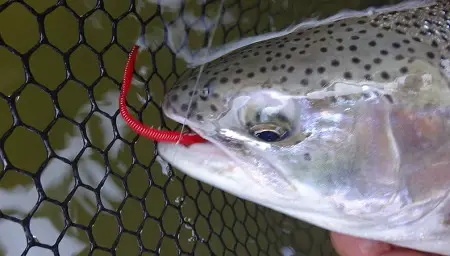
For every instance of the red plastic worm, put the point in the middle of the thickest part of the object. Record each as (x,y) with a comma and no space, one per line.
(142,129)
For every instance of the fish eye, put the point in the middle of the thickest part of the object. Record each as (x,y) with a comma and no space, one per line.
(269,132)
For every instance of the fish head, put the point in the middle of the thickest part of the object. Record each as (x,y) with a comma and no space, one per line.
(312,136)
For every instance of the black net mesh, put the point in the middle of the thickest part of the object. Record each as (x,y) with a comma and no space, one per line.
(74,179)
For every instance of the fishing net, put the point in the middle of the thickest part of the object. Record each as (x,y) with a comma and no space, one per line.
(74,179)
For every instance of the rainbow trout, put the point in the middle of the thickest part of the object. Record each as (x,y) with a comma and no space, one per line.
(343,123)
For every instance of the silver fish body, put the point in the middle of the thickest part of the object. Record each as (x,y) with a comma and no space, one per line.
(344,124)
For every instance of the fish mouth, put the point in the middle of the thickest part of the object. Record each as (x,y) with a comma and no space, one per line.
(206,161)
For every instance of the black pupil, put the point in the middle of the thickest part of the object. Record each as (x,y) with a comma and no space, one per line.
(268,135)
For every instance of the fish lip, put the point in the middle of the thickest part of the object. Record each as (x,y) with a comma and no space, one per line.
(215,167)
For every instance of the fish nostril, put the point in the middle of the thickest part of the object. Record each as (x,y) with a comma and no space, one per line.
(174,98)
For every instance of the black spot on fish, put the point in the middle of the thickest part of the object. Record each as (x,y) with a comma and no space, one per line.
(335,63)
(399,57)
(368,77)
(353,48)
(434,44)
(213,108)
(307,157)
(347,75)
(385,75)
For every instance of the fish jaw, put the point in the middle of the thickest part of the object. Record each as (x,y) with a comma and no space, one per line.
(208,163)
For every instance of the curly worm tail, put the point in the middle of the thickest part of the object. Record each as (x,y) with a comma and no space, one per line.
(140,128)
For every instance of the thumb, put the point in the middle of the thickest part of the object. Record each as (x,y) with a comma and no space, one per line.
(353,246)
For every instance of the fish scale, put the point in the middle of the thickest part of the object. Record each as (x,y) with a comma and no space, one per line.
(379,48)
